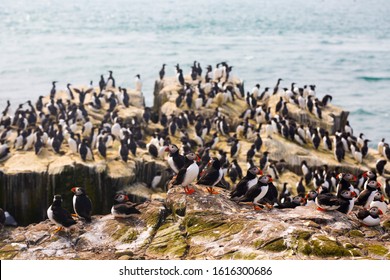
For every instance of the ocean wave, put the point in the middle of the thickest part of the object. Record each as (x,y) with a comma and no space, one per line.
(362,112)
(373,79)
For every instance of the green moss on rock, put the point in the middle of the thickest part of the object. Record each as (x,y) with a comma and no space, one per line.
(239,256)
(356,252)
(302,234)
(356,233)
(377,249)
(276,246)
(324,247)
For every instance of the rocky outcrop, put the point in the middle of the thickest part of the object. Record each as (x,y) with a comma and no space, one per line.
(203,226)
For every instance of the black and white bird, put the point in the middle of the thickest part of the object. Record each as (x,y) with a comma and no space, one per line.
(347,201)
(369,217)
(85,151)
(82,204)
(367,195)
(58,215)
(257,192)
(212,175)
(248,181)
(175,160)
(380,166)
(188,173)
(123,208)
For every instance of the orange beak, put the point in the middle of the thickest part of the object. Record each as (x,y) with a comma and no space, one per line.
(353,194)
(73,189)
(365,174)
(197,158)
(354,179)
(270,179)
(167,149)
(380,212)
(379,185)
(259,172)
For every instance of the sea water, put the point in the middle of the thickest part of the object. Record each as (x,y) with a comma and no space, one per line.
(343,47)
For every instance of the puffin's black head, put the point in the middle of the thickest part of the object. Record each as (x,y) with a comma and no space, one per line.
(255,170)
(121,198)
(78,190)
(57,198)
(348,194)
(374,185)
(375,211)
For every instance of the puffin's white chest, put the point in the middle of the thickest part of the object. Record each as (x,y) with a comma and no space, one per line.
(263,192)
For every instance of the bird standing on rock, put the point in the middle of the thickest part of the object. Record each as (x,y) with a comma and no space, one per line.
(82,205)
(188,173)
(58,215)
(212,175)
(246,182)
(175,160)
(257,192)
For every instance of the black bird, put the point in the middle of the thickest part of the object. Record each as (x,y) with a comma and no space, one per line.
(82,205)
(123,208)
(257,192)
(347,202)
(102,148)
(300,187)
(212,175)
(162,72)
(111,79)
(295,202)
(264,160)
(380,166)
(124,150)
(102,83)
(53,90)
(180,78)
(39,104)
(246,182)
(58,215)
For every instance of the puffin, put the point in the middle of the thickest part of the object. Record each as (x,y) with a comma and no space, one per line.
(310,198)
(212,175)
(246,182)
(369,218)
(295,202)
(123,208)
(347,201)
(257,192)
(326,201)
(58,215)
(345,182)
(188,173)
(285,194)
(175,160)
(82,205)
(367,195)
(379,201)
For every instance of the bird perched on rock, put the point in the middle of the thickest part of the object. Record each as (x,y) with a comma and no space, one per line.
(212,175)
(379,201)
(123,208)
(347,201)
(58,215)
(188,173)
(82,204)
(369,218)
(246,182)
(295,202)
(175,159)
(367,195)
(257,192)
